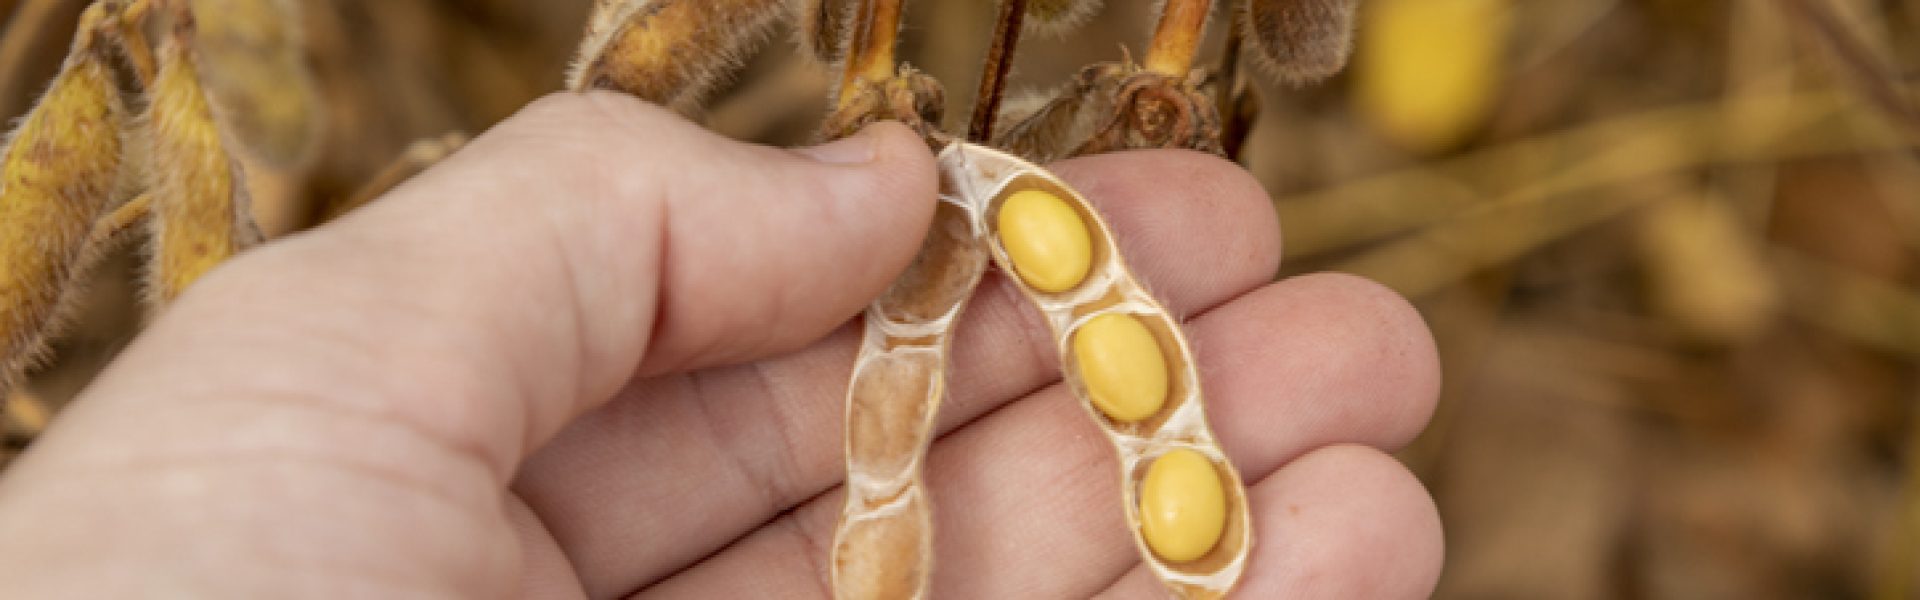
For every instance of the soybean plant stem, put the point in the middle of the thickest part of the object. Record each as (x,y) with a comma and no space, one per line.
(993,77)
(870,56)
(1230,94)
(1177,38)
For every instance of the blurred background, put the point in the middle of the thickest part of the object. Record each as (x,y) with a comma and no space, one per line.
(1670,248)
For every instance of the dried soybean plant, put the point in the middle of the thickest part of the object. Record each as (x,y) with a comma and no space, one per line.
(227,113)
(222,91)
(1124,355)
(62,167)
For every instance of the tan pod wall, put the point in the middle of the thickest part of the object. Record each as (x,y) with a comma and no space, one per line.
(883,547)
(1194,531)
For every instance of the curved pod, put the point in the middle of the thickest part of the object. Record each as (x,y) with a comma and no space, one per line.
(988,179)
(883,545)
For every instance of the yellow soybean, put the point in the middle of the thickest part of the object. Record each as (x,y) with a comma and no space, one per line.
(1046,241)
(1122,366)
(1183,506)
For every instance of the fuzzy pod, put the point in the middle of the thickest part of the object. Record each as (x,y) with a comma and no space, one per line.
(821,28)
(58,177)
(669,51)
(1050,17)
(253,64)
(1300,41)
(200,205)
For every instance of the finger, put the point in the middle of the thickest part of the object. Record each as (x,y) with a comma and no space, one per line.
(745,443)
(1339,522)
(1347,360)
(536,268)
(1027,498)
(421,346)
(544,570)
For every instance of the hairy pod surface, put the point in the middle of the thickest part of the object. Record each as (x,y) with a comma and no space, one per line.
(669,51)
(200,205)
(1050,17)
(1300,41)
(59,171)
(821,28)
(253,64)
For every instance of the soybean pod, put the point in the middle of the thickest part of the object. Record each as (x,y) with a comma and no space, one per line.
(883,547)
(1126,359)
(1123,355)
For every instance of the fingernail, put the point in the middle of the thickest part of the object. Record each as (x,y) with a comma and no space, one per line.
(855,149)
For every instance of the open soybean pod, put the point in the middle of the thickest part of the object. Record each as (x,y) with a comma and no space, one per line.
(59,173)
(883,547)
(1125,357)
(669,51)
(200,206)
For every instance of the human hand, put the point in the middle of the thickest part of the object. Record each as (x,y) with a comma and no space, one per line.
(603,352)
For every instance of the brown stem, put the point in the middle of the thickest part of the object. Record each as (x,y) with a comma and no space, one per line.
(870,56)
(1228,77)
(993,78)
(1177,38)
(1232,97)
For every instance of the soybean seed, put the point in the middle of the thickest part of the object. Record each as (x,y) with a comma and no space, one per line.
(1183,506)
(1122,366)
(1046,240)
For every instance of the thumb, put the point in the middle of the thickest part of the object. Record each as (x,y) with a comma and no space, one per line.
(587,240)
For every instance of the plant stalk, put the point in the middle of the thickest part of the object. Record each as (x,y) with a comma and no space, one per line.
(870,57)
(993,77)
(1176,39)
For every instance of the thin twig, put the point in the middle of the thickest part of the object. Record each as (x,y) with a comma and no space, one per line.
(993,77)
(1229,94)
